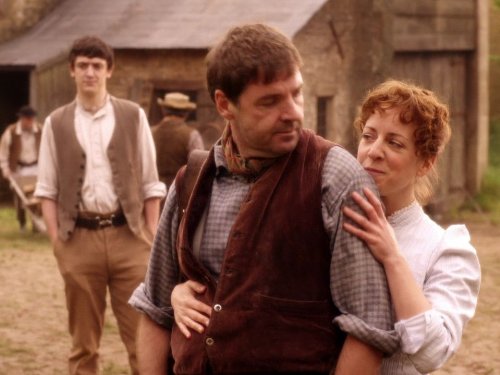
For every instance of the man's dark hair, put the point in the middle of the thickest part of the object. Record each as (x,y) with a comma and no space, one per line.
(248,54)
(26,111)
(91,46)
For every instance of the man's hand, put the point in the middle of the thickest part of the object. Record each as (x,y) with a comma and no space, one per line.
(189,312)
(49,211)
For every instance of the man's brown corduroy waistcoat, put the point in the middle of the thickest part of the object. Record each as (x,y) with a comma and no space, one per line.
(272,304)
(123,157)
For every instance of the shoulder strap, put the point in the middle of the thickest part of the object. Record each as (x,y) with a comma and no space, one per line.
(186,178)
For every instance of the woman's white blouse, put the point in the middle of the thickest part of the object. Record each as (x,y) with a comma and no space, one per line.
(445,265)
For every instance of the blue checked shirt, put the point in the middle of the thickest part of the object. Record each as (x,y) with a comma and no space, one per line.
(357,281)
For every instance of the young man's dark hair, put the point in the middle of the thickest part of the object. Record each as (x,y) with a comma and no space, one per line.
(237,60)
(91,46)
(115,216)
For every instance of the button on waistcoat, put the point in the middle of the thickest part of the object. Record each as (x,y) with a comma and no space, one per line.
(123,157)
(272,309)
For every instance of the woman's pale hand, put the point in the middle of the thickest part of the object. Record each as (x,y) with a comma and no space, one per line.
(373,228)
(189,312)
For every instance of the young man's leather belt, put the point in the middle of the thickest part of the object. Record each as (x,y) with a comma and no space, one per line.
(101,221)
(23,164)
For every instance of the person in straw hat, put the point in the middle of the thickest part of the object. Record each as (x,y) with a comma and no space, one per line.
(174,139)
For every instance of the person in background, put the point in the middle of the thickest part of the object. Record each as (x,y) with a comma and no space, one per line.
(100,197)
(433,273)
(174,139)
(259,242)
(19,147)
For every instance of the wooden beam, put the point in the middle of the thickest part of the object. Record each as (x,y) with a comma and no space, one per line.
(433,33)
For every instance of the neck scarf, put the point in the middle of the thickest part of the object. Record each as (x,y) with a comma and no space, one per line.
(248,167)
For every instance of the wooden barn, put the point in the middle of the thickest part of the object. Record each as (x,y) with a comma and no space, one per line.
(495,61)
(347,46)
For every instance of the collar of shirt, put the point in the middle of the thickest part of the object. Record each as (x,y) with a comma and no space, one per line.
(19,129)
(220,160)
(221,169)
(99,113)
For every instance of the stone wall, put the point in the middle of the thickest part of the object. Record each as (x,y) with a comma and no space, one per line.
(139,75)
(341,63)
(144,75)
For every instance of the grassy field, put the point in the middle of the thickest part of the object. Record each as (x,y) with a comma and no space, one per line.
(33,328)
(489,196)
(34,338)
(487,201)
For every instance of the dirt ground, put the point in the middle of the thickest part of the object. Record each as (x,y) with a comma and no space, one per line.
(33,338)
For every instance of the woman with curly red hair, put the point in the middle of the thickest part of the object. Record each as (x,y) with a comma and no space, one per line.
(433,273)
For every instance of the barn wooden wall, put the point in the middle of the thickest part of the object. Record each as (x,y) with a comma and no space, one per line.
(347,47)
(437,44)
(495,62)
(52,86)
(445,74)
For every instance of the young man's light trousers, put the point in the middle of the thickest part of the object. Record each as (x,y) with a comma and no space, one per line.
(91,262)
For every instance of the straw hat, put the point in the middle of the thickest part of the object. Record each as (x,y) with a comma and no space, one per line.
(176,100)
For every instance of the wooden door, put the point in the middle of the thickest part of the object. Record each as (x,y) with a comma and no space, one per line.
(445,74)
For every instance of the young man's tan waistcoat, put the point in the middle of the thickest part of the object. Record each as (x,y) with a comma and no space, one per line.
(16,146)
(123,157)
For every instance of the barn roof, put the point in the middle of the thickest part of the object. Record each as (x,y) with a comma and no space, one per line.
(150,24)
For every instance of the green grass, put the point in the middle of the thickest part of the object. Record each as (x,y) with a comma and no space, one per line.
(488,199)
(111,368)
(11,237)
(495,143)
(495,58)
(110,326)
(9,349)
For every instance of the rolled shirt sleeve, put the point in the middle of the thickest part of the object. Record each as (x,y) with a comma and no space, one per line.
(5,143)
(153,296)
(452,287)
(47,182)
(151,186)
(357,281)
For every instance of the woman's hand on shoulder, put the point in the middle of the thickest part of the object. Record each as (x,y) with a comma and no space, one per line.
(189,312)
(373,227)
